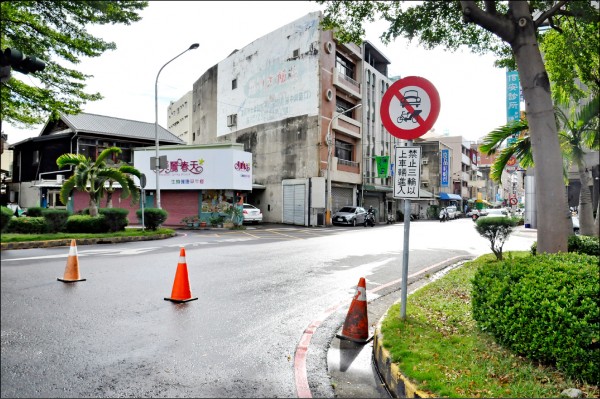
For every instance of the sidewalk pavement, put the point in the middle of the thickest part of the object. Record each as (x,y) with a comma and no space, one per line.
(352,366)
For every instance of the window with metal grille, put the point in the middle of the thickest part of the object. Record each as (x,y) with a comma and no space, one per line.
(342,106)
(344,150)
(344,66)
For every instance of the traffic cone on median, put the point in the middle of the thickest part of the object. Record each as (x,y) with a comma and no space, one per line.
(181,286)
(72,269)
(356,326)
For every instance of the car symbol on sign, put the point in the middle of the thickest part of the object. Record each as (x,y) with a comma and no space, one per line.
(411,97)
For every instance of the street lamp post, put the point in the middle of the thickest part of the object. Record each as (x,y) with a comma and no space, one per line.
(156,161)
(329,140)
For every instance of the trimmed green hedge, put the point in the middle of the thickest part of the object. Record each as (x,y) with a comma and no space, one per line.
(546,307)
(35,211)
(27,225)
(56,219)
(115,218)
(581,244)
(5,215)
(153,217)
(86,224)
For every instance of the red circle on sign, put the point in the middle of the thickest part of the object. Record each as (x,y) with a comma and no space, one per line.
(513,201)
(410,103)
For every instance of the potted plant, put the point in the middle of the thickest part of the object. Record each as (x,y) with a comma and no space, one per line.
(216,221)
(236,216)
(191,221)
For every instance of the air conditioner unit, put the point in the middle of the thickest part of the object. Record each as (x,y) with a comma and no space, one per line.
(60,179)
(424,161)
(231,120)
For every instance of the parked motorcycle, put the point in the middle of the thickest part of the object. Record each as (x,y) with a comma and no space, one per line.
(370,220)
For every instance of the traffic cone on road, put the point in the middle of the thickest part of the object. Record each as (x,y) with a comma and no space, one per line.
(356,326)
(72,269)
(181,286)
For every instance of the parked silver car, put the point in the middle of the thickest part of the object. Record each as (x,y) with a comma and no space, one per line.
(349,215)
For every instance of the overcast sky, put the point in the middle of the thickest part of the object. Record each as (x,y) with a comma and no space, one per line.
(472,90)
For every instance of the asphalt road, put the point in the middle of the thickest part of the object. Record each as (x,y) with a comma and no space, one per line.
(259,290)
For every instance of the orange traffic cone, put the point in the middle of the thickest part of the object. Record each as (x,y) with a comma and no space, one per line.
(181,286)
(72,268)
(356,326)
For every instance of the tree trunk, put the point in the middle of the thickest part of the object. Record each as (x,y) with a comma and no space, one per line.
(109,199)
(597,222)
(585,212)
(551,197)
(93,207)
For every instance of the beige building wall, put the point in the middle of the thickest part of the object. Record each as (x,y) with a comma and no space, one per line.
(179,118)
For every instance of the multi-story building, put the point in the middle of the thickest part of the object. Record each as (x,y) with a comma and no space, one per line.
(307,107)
(376,189)
(179,118)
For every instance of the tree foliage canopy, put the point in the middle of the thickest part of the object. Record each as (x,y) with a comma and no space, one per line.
(55,31)
(572,55)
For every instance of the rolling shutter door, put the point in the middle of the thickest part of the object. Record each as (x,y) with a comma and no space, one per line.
(293,204)
(340,197)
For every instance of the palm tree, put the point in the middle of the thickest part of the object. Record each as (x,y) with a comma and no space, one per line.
(127,171)
(90,176)
(576,134)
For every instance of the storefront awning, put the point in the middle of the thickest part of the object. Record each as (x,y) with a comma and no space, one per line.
(447,196)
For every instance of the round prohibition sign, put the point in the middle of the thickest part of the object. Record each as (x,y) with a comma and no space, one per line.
(513,201)
(410,107)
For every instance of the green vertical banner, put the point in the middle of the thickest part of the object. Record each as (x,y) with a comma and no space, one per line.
(383,166)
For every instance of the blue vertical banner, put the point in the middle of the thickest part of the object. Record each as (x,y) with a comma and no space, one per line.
(445,167)
(513,99)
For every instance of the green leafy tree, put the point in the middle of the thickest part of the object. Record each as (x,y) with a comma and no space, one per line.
(509,30)
(578,132)
(571,65)
(91,176)
(55,31)
(496,230)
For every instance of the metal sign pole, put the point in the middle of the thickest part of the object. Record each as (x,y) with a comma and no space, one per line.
(143,197)
(409,108)
(404,284)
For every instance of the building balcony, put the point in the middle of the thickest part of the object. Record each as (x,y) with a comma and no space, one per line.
(352,50)
(345,171)
(348,126)
(346,84)
(465,159)
(476,183)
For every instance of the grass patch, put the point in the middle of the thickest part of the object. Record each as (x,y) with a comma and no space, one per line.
(5,238)
(441,350)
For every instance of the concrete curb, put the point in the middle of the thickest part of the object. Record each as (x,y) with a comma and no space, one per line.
(82,241)
(397,384)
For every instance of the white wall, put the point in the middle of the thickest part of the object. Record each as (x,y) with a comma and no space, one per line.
(272,84)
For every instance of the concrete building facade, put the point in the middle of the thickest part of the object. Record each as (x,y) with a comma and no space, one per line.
(179,118)
(282,96)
